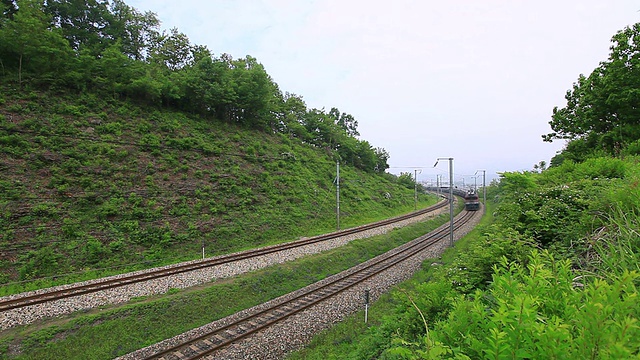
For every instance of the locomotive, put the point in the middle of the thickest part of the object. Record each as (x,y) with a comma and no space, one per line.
(471,201)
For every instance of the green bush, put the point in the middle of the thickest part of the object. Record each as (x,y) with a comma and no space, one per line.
(94,251)
(540,312)
(37,263)
(114,128)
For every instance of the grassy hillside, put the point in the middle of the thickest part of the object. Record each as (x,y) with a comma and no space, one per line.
(92,183)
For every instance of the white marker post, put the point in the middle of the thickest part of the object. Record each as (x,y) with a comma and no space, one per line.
(366,306)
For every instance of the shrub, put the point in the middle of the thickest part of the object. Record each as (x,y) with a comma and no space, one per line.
(539,312)
(38,263)
(94,251)
(44,210)
(114,128)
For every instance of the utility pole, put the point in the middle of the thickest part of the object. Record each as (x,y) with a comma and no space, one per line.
(450,197)
(484,186)
(415,189)
(338,194)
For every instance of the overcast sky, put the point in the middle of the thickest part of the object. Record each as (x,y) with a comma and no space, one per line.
(473,80)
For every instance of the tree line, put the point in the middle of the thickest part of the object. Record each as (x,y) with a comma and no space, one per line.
(112,49)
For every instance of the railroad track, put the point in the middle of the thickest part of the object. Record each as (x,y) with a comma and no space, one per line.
(217,338)
(17,302)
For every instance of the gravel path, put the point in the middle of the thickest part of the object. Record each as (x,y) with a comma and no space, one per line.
(33,313)
(294,332)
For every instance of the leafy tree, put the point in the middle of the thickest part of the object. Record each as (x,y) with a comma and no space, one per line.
(207,88)
(366,156)
(27,43)
(321,129)
(200,52)
(134,30)
(406,179)
(114,71)
(171,50)
(291,115)
(381,160)
(345,121)
(257,94)
(83,22)
(602,109)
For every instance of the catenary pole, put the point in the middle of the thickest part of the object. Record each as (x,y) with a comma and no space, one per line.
(450,197)
(338,194)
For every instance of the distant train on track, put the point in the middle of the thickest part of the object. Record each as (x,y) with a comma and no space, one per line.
(471,201)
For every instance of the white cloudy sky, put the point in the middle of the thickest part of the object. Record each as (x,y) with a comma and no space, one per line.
(473,80)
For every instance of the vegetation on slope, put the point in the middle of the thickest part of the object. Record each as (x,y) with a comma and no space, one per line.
(113,51)
(130,184)
(555,275)
(124,147)
(552,282)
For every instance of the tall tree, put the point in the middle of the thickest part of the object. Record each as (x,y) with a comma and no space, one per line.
(604,107)
(135,31)
(345,121)
(258,95)
(83,22)
(382,157)
(28,43)
(172,50)
(291,115)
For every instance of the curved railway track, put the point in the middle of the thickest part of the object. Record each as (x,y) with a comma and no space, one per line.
(20,301)
(217,338)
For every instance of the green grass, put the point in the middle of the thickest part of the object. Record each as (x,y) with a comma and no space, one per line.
(355,339)
(92,188)
(552,272)
(110,332)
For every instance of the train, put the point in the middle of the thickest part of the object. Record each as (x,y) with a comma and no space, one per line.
(471,201)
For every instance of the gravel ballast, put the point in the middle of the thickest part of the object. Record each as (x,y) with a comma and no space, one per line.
(123,294)
(296,331)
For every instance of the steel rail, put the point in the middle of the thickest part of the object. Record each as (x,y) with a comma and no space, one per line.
(114,282)
(244,326)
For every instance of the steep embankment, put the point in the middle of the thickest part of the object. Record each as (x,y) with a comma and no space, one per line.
(91,183)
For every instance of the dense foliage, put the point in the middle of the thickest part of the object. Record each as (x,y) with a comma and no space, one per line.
(111,49)
(602,111)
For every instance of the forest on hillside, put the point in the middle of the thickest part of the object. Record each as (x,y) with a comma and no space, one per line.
(112,49)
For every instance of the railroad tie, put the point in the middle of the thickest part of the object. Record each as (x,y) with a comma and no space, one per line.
(208,342)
